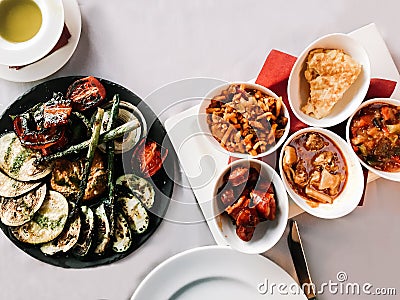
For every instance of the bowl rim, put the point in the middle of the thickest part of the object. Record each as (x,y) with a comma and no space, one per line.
(211,140)
(300,201)
(282,200)
(383,174)
(298,66)
(34,49)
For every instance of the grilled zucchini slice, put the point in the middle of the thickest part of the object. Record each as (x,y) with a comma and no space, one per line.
(47,223)
(11,188)
(122,234)
(82,247)
(18,162)
(140,187)
(136,214)
(66,240)
(103,230)
(18,211)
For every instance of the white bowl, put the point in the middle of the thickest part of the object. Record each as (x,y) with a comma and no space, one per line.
(18,54)
(395,176)
(352,192)
(202,119)
(267,233)
(298,87)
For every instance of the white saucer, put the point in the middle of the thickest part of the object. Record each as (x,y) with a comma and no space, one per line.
(52,63)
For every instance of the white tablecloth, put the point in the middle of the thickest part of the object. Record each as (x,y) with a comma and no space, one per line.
(146,44)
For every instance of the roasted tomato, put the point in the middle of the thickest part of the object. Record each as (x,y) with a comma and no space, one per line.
(86,93)
(148,157)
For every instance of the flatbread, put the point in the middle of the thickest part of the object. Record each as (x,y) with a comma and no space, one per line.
(330,73)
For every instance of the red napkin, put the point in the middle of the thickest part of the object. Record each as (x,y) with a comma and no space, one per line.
(275,75)
(65,35)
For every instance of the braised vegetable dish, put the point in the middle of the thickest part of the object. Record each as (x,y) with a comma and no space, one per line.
(247,199)
(246,120)
(315,168)
(374,134)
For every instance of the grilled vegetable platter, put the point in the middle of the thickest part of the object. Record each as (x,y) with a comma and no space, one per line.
(86,172)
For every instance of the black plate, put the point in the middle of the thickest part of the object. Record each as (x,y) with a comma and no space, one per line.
(162,181)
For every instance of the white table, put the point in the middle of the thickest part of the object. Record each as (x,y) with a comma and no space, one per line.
(146,44)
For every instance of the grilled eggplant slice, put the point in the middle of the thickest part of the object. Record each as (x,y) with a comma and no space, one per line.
(140,187)
(18,162)
(122,234)
(82,247)
(136,214)
(66,240)
(47,223)
(11,188)
(103,230)
(18,211)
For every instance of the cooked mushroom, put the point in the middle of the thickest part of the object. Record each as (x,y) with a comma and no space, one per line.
(314,142)
(300,174)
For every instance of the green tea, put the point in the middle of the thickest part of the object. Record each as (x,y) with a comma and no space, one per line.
(20,20)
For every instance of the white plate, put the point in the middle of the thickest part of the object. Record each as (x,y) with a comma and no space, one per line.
(215,273)
(298,88)
(352,192)
(19,54)
(395,176)
(56,60)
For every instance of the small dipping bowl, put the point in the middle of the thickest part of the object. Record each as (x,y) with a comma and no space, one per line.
(35,48)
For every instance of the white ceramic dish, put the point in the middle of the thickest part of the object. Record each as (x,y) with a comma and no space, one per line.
(216,272)
(298,88)
(19,54)
(182,124)
(350,196)
(267,233)
(52,63)
(395,176)
(202,120)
